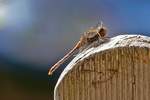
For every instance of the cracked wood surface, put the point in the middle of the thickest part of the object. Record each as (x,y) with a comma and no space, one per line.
(116,70)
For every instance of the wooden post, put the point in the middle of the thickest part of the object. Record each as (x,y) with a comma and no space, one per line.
(116,70)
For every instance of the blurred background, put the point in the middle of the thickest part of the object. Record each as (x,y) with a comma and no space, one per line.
(34,34)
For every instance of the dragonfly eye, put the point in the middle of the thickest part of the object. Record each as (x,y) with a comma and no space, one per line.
(102,32)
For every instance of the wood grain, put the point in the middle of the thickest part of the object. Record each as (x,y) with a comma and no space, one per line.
(118,70)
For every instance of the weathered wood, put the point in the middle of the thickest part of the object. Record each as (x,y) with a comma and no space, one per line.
(117,70)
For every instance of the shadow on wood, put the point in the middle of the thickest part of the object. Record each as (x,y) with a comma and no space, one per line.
(117,70)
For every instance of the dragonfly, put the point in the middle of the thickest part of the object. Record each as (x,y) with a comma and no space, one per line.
(91,35)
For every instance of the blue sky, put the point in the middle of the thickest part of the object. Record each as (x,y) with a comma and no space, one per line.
(41,31)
